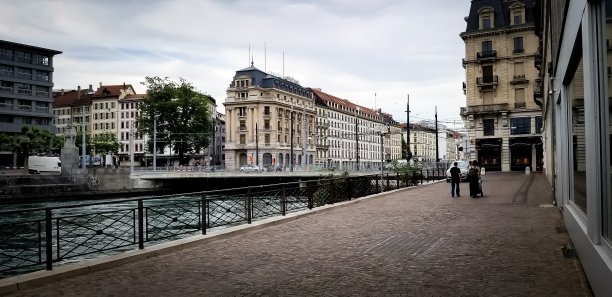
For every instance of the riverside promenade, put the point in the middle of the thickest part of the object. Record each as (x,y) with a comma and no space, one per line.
(410,242)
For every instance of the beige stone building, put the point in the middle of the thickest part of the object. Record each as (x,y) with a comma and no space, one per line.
(269,121)
(502,118)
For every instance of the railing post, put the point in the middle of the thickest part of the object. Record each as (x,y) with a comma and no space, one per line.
(348,188)
(49,239)
(204,216)
(421,176)
(388,181)
(140,224)
(284,202)
(248,206)
(310,196)
(380,190)
(397,180)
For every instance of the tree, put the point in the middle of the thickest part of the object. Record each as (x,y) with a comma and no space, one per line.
(182,117)
(105,142)
(31,141)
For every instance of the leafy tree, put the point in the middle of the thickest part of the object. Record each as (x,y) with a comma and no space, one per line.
(182,117)
(105,142)
(31,141)
(78,142)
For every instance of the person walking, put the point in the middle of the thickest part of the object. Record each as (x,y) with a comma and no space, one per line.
(455,180)
(474,179)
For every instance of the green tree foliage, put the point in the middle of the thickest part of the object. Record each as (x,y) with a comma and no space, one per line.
(105,142)
(182,117)
(31,141)
(78,142)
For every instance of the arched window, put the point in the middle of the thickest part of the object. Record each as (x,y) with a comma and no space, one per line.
(517,14)
(486,18)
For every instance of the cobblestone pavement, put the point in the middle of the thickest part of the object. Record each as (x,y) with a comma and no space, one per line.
(415,242)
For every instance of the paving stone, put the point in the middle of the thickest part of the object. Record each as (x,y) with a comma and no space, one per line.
(415,242)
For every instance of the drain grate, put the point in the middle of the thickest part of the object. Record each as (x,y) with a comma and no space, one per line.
(403,245)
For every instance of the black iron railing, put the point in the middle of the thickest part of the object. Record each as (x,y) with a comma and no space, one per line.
(39,238)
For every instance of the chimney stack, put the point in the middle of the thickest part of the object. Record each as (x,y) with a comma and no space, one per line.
(90,88)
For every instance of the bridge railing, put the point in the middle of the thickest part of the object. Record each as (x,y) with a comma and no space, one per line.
(41,238)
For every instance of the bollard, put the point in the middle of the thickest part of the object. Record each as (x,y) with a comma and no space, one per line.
(527,170)
(482,171)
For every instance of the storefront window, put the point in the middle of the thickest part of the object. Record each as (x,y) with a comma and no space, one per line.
(607,115)
(578,149)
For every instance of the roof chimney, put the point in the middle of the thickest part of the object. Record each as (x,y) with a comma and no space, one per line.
(100,84)
(62,92)
(79,92)
(90,88)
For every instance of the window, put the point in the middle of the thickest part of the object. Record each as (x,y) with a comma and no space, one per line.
(486,18)
(242,139)
(267,125)
(517,17)
(518,45)
(538,124)
(488,127)
(242,111)
(578,139)
(520,125)
(519,98)
(242,125)
(267,139)
(267,110)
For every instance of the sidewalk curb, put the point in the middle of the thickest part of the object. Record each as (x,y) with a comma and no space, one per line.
(37,278)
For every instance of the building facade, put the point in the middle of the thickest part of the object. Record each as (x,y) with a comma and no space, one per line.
(354,134)
(501,115)
(574,60)
(26,84)
(269,121)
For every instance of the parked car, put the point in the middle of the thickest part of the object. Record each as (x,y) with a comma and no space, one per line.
(463,165)
(250,168)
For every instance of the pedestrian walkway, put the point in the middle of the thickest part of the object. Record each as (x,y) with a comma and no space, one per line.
(412,242)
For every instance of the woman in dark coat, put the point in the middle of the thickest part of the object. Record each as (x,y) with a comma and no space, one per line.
(474,179)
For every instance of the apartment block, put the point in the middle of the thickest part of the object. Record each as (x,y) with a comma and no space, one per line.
(502,117)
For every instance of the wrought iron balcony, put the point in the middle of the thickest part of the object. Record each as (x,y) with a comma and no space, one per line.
(519,79)
(486,55)
(538,89)
(462,111)
(520,104)
(487,108)
(464,87)
(482,81)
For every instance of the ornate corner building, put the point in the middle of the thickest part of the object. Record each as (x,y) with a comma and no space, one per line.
(502,116)
(269,121)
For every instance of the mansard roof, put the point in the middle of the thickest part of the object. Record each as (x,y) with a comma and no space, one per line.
(501,14)
(268,80)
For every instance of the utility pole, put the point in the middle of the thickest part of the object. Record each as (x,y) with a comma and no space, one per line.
(291,140)
(408,153)
(84,130)
(154,144)
(357,135)
(437,155)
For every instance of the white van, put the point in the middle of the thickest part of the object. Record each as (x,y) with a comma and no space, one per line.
(38,164)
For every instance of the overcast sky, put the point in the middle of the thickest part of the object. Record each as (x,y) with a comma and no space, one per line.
(350,49)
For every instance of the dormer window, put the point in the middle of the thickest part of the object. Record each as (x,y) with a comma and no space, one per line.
(486,18)
(517,14)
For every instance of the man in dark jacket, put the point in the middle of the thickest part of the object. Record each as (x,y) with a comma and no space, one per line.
(455,180)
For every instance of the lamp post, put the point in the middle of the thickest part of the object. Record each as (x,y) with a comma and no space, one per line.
(131,144)
(154,144)
(291,140)
(408,154)
(256,145)
(83,130)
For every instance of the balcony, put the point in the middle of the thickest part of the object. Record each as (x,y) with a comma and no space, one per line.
(486,55)
(42,93)
(6,106)
(40,77)
(462,111)
(7,73)
(520,104)
(538,89)
(24,91)
(463,62)
(7,57)
(24,107)
(464,87)
(487,108)
(24,75)
(519,79)
(41,109)
(6,90)
(24,60)
(518,51)
(487,82)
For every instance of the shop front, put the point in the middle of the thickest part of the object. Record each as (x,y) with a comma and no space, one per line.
(489,153)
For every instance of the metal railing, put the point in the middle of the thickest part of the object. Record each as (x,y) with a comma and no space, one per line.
(39,238)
